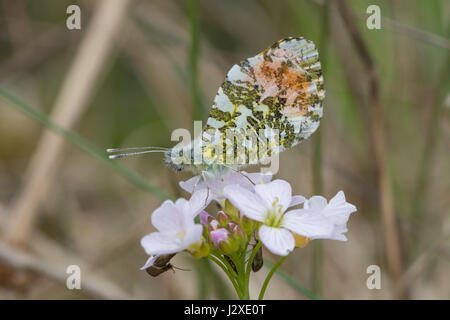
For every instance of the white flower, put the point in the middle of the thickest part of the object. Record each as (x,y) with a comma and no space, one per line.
(337,211)
(176,227)
(195,204)
(215,186)
(268,205)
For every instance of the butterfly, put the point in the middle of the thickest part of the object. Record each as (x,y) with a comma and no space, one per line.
(266,104)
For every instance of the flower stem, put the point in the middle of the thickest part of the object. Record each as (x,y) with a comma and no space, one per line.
(249,263)
(221,264)
(269,276)
(225,262)
(242,280)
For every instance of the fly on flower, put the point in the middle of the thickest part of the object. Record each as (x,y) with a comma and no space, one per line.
(267,104)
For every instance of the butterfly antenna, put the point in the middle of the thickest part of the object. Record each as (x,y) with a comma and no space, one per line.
(135,148)
(122,155)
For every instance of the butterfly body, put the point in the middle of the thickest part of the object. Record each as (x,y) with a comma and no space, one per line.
(184,163)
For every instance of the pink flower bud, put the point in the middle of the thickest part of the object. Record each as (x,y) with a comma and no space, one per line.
(224,241)
(219,235)
(205,217)
(213,224)
(238,234)
(236,230)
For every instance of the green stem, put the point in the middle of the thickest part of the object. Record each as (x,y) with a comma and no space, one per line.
(294,284)
(317,252)
(225,262)
(242,279)
(202,281)
(249,263)
(194,50)
(232,278)
(269,276)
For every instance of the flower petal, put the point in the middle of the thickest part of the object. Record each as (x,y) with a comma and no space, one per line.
(254,178)
(216,185)
(316,203)
(150,261)
(204,217)
(339,210)
(296,200)
(276,190)
(168,218)
(337,234)
(307,223)
(192,183)
(279,241)
(219,235)
(193,234)
(247,202)
(157,243)
(182,205)
(199,200)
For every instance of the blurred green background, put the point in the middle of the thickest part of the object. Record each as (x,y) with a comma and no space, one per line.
(137,70)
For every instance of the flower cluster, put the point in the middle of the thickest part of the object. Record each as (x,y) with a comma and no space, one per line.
(253,208)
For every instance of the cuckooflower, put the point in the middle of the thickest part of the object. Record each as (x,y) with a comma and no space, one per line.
(268,204)
(216,186)
(177,230)
(337,211)
(194,205)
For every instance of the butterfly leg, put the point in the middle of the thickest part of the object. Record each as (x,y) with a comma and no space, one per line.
(203,176)
(230,167)
(197,182)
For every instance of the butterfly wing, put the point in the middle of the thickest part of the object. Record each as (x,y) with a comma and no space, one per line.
(279,89)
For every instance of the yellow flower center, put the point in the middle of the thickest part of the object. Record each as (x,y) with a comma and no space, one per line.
(181,234)
(274,215)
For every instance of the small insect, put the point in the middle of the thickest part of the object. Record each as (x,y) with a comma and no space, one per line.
(279,90)
(230,261)
(258,260)
(161,265)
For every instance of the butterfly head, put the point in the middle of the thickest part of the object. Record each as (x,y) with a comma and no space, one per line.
(184,159)
(176,159)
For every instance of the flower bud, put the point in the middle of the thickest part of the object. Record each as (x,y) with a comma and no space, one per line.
(236,231)
(199,249)
(223,240)
(238,234)
(248,225)
(223,218)
(231,210)
(205,217)
(213,224)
